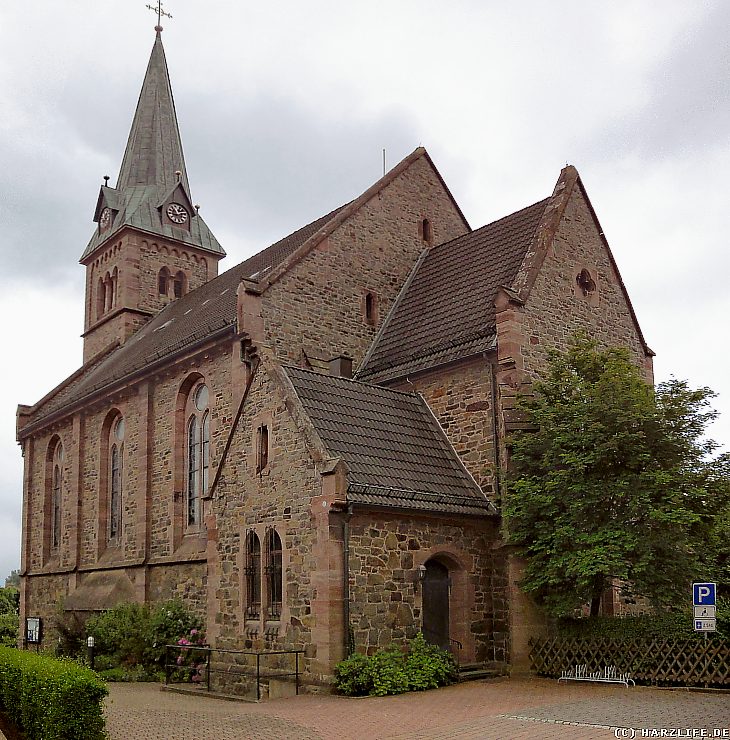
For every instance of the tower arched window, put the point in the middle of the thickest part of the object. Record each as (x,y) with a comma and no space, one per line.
(100,298)
(163,281)
(115,287)
(252,573)
(197,452)
(178,284)
(274,573)
(108,292)
(116,463)
(56,497)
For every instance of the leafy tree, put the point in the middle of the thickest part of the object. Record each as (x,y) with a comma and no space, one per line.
(13,579)
(615,481)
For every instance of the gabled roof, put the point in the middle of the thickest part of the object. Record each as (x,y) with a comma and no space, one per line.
(446,310)
(182,324)
(152,159)
(396,453)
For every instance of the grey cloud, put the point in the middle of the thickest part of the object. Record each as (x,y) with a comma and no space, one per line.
(689,106)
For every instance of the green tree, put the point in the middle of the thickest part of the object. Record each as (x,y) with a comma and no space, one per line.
(615,480)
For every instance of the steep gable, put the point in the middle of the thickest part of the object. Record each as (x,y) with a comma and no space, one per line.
(446,309)
(569,281)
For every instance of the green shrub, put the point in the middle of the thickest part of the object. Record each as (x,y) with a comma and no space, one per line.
(392,671)
(9,630)
(168,623)
(677,625)
(50,699)
(134,635)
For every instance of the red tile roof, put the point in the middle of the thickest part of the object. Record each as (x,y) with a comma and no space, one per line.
(446,310)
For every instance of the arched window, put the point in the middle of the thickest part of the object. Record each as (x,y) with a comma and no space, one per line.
(273,573)
(116,457)
(370,308)
(262,447)
(198,452)
(108,292)
(426,231)
(252,572)
(100,298)
(115,280)
(163,280)
(56,496)
(179,284)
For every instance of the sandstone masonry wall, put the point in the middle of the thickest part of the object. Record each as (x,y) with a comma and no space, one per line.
(319,304)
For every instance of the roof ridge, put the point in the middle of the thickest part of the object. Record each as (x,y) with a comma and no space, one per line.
(354,381)
(491,223)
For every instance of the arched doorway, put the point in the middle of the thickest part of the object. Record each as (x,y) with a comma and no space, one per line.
(436,604)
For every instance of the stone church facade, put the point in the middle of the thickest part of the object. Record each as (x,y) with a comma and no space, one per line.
(215,447)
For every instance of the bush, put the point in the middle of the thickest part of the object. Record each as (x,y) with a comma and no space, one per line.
(9,630)
(392,671)
(51,699)
(133,635)
(677,625)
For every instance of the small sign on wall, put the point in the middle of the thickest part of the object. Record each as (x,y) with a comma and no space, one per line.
(33,628)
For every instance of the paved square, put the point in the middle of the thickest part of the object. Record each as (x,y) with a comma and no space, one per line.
(484,710)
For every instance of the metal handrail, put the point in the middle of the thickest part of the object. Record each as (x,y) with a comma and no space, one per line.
(258,653)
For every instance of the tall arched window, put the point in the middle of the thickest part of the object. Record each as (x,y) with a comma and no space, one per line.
(56,496)
(100,298)
(115,281)
(108,292)
(197,452)
(426,231)
(116,457)
(163,280)
(273,573)
(178,285)
(252,572)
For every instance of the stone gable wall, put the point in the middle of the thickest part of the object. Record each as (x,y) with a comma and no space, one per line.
(318,305)
(557,307)
(281,497)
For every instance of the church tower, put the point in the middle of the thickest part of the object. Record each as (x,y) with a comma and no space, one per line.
(150,245)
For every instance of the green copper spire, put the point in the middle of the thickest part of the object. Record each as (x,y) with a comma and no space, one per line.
(153,174)
(154,150)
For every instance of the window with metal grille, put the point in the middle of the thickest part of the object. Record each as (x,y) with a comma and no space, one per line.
(274,573)
(252,573)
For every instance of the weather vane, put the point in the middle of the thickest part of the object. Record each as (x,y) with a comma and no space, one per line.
(160,12)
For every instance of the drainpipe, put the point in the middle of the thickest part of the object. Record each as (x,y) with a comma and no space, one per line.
(346,580)
(495,434)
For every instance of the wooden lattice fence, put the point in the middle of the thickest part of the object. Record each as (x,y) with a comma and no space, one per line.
(658,662)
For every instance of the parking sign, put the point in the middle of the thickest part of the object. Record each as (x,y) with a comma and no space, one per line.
(704,594)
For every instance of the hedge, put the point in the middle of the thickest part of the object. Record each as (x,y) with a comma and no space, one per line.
(50,699)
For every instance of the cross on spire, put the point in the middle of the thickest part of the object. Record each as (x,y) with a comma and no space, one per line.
(160,12)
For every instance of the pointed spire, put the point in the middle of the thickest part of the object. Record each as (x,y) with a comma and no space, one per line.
(154,150)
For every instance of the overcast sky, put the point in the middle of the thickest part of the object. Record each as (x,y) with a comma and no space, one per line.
(285,108)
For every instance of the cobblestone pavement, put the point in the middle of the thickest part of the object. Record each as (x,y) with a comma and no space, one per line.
(483,710)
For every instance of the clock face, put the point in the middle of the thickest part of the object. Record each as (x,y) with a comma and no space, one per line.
(106,218)
(176,213)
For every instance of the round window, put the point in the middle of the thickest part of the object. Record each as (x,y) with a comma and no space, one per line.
(201,397)
(119,429)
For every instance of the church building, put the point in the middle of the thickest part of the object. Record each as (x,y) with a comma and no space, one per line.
(305,448)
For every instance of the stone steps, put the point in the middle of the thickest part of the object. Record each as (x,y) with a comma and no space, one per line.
(478,671)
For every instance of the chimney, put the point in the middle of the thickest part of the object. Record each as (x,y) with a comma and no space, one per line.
(341,366)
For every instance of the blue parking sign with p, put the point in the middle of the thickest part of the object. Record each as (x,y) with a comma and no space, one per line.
(704,594)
